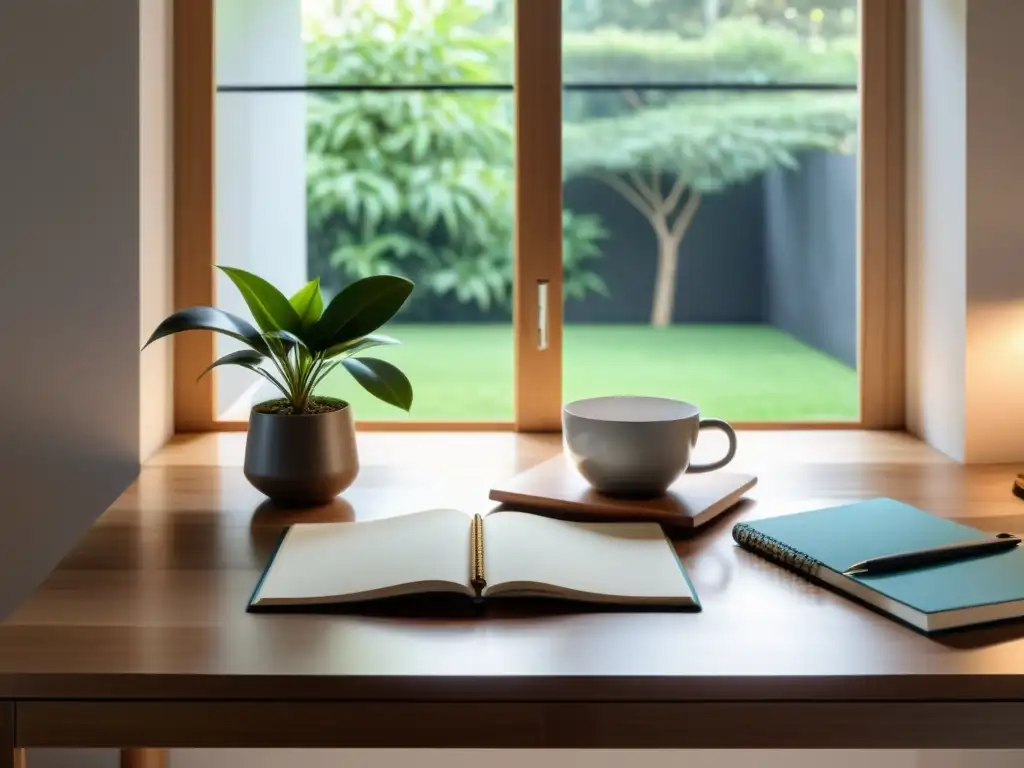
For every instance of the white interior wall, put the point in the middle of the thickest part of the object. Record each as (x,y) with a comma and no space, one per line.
(70,235)
(995,233)
(156,220)
(965,233)
(936,221)
(69,292)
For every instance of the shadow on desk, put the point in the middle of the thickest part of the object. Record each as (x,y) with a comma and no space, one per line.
(976,638)
(448,607)
(726,518)
(269,521)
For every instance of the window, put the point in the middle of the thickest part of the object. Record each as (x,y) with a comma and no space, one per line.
(361,138)
(709,186)
(711,199)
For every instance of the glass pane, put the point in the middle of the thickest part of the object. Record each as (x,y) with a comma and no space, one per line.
(710,41)
(360,42)
(344,184)
(711,231)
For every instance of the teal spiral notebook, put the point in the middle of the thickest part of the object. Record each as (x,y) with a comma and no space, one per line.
(823,543)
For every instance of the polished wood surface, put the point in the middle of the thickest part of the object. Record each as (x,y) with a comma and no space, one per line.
(144,621)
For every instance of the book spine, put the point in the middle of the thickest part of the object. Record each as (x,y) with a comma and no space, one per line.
(774,550)
(476,555)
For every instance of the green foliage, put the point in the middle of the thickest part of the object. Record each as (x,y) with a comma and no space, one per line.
(303,341)
(712,140)
(582,234)
(734,51)
(404,44)
(662,151)
(420,183)
(687,18)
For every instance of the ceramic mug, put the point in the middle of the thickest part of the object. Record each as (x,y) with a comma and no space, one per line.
(636,446)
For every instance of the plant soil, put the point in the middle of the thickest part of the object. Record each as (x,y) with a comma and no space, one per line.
(314,406)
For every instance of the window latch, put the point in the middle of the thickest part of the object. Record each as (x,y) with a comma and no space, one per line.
(542,314)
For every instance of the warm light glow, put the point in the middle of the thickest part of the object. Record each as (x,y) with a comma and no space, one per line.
(995,379)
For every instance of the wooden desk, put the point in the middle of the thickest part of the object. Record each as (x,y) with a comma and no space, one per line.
(140,639)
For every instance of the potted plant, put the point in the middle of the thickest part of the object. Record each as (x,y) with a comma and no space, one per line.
(301,448)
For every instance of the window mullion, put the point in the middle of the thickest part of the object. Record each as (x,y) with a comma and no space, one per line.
(538,215)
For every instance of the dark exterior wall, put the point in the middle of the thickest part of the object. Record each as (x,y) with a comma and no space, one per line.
(721,264)
(721,273)
(811,252)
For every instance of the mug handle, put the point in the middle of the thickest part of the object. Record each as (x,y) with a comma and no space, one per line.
(729,455)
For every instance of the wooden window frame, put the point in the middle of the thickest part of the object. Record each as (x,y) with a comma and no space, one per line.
(538,226)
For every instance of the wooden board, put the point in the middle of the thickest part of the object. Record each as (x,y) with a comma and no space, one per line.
(555,488)
(520,725)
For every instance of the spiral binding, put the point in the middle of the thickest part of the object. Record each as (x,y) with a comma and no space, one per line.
(476,556)
(775,550)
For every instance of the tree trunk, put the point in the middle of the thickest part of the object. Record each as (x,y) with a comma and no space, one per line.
(665,279)
(712,9)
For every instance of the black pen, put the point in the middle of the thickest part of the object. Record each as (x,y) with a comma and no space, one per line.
(905,561)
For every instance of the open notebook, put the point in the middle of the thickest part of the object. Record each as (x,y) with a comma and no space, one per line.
(822,544)
(507,554)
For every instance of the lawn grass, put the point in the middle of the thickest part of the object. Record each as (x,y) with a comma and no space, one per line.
(745,372)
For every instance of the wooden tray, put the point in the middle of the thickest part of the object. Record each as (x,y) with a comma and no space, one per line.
(556,489)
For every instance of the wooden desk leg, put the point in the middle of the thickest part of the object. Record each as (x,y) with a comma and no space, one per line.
(144,758)
(9,756)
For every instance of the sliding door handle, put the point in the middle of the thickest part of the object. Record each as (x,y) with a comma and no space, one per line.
(542,314)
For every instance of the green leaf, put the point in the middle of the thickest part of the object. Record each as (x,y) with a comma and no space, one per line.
(289,338)
(270,309)
(210,319)
(272,379)
(360,345)
(421,142)
(247,358)
(360,309)
(382,380)
(308,303)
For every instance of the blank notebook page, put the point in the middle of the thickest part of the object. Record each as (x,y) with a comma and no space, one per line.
(618,559)
(330,559)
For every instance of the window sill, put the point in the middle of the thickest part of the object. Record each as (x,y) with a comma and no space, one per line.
(496,454)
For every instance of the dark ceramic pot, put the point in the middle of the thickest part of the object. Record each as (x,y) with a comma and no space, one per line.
(301,461)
